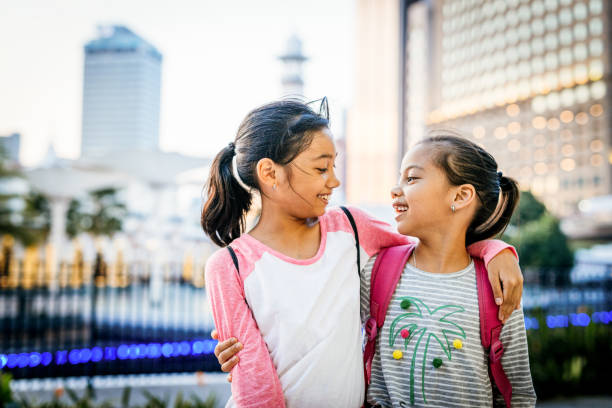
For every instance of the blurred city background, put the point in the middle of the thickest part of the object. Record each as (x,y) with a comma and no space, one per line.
(111,112)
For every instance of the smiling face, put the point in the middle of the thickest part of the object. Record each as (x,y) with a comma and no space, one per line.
(423,195)
(307,182)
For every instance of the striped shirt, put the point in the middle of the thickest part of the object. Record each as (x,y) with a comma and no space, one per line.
(429,352)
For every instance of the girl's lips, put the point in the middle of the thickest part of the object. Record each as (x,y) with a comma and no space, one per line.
(324,197)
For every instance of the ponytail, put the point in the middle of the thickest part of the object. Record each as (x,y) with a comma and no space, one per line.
(225,209)
(499,220)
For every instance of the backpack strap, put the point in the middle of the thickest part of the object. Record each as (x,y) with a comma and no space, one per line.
(234,258)
(490,330)
(356,233)
(382,285)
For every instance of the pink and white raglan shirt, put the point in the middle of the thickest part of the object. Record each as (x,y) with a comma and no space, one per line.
(299,319)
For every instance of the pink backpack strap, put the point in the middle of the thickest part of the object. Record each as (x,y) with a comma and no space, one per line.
(490,330)
(382,285)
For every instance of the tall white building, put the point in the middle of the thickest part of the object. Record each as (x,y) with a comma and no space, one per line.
(121,93)
(293,61)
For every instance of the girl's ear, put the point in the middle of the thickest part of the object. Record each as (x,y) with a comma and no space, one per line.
(465,195)
(266,173)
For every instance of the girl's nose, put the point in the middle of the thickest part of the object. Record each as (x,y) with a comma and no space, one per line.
(396,192)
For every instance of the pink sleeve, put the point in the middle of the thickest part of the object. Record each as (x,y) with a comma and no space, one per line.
(255,382)
(488,249)
(374,234)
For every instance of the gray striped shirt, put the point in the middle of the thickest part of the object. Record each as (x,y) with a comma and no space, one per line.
(429,352)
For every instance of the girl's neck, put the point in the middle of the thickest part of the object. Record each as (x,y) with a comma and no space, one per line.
(291,236)
(441,252)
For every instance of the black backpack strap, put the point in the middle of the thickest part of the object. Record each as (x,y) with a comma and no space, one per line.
(354,226)
(234,258)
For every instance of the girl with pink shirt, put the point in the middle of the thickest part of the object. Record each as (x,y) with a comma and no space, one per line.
(289,288)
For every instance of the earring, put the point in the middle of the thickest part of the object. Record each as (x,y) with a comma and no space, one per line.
(274,187)
(453,208)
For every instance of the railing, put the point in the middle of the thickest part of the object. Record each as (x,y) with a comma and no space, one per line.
(90,318)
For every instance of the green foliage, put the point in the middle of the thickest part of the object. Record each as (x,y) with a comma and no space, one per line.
(6,395)
(529,209)
(537,236)
(570,361)
(100,213)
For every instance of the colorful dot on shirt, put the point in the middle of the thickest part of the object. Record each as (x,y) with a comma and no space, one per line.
(405,304)
(397,354)
(437,362)
(458,344)
(405,333)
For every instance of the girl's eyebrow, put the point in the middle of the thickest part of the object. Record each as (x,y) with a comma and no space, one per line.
(413,166)
(325,156)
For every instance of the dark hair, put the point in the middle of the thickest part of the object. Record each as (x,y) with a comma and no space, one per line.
(279,131)
(465,162)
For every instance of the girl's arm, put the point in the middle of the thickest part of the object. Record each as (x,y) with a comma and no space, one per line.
(255,382)
(501,259)
(516,362)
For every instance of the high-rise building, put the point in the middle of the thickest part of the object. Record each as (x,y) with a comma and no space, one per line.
(373,123)
(293,63)
(529,80)
(121,93)
(10,144)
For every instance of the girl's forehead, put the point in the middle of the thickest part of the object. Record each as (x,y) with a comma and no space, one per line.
(417,156)
(322,143)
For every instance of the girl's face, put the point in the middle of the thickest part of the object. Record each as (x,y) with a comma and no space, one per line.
(423,196)
(308,181)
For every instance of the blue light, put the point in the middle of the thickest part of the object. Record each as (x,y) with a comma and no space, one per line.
(46,358)
(580,319)
(61,357)
(73,356)
(122,352)
(197,347)
(167,349)
(35,359)
(23,360)
(84,355)
(184,348)
(176,350)
(557,321)
(154,350)
(133,351)
(96,354)
(110,353)
(142,351)
(531,323)
(209,346)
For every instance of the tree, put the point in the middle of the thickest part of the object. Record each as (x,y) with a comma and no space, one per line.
(100,213)
(538,238)
(529,209)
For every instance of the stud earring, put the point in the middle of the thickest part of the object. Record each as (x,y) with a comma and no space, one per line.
(453,208)
(274,187)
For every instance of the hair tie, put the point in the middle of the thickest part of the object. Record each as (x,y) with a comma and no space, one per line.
(500,175)
(232,147)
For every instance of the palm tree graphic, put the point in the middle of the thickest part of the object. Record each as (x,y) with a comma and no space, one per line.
(440,331)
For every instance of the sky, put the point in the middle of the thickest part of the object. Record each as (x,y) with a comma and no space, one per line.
(220,61)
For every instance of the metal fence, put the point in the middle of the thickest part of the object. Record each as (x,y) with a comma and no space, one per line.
(95,318)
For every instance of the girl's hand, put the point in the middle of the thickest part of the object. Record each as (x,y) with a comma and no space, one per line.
(226,353)
(507,281)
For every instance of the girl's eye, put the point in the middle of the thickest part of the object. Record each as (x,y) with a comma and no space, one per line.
(410,179)
(322,170)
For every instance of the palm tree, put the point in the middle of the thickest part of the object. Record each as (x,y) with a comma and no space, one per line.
(443,329)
